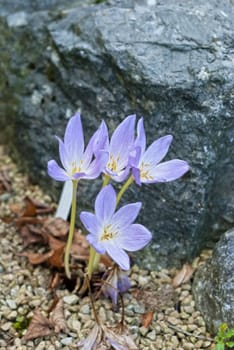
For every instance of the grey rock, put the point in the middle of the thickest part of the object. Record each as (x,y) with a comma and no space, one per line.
(171,62)
(213,286)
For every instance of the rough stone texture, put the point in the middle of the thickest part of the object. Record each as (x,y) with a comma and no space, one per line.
(171,62)
(213,286)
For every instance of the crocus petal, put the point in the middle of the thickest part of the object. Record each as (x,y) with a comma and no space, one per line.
(134,237)
(126,215)
(123,135)
(105,204)
(168,171)
(136,174)
(108,291)
(89,342)
(157,150)
(74,138)
(97,245)
(141,138)
(99,141)
(97,165)
(123,282)
(66,158)
(120,176)
(134,157)
(56,172)
(117,254)
(90,222)
(122,141)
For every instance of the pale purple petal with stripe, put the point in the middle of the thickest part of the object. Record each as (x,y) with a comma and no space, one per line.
(141,138)
(137,176)
(126,215)
(56,172)
(90,222)
(66,158)
(74,138)
(157,150)
(94,241)
(120,176)
(168,171)
(105,204)
(118,254)
(97,166)
(99,141)
(134,238)
(123,136)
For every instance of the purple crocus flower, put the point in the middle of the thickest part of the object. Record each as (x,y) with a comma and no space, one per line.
(114,232)
(116,282)
(146,166)
(119,148)
(77,162)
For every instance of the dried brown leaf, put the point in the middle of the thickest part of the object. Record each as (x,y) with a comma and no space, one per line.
(37,258)
(183,275)
(55,243)
(57,317)
(123,340)
(56,227)
(157,299)
(5,183)
(31,234)
(56,259)
(24,220)
(147,319)
(54,282)
(39,326)
(30,208)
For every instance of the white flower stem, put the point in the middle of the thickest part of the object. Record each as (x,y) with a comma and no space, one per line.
(71,229)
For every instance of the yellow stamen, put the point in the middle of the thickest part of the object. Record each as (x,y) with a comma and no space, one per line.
(107,234)
(144,172)
(112,164)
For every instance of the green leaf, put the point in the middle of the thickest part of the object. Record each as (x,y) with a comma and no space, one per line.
(229,333)
(219,346)
(230,344)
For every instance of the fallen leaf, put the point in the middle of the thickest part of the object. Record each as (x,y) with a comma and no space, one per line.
(30,208)
(37,258)
(55,243)
(157,299)
(31,234)
(57,227)
(147,319)
(56,259)
(183,275)
(5,183)
(39,326)
(122,340)
(57,317)
(23,220)
(55,280)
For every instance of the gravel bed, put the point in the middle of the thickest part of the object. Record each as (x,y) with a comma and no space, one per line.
(176,324)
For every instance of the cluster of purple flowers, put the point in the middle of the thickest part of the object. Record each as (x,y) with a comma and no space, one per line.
(122,156)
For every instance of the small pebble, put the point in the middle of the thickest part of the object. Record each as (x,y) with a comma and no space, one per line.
(71,299)
(151,335)
(85,309)
(66,341)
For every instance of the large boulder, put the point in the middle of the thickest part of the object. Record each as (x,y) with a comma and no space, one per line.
(213,286)
(171,62)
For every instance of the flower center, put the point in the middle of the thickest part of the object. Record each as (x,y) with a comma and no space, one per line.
(107,234)
(112,164)
(76,168)
(144,171)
